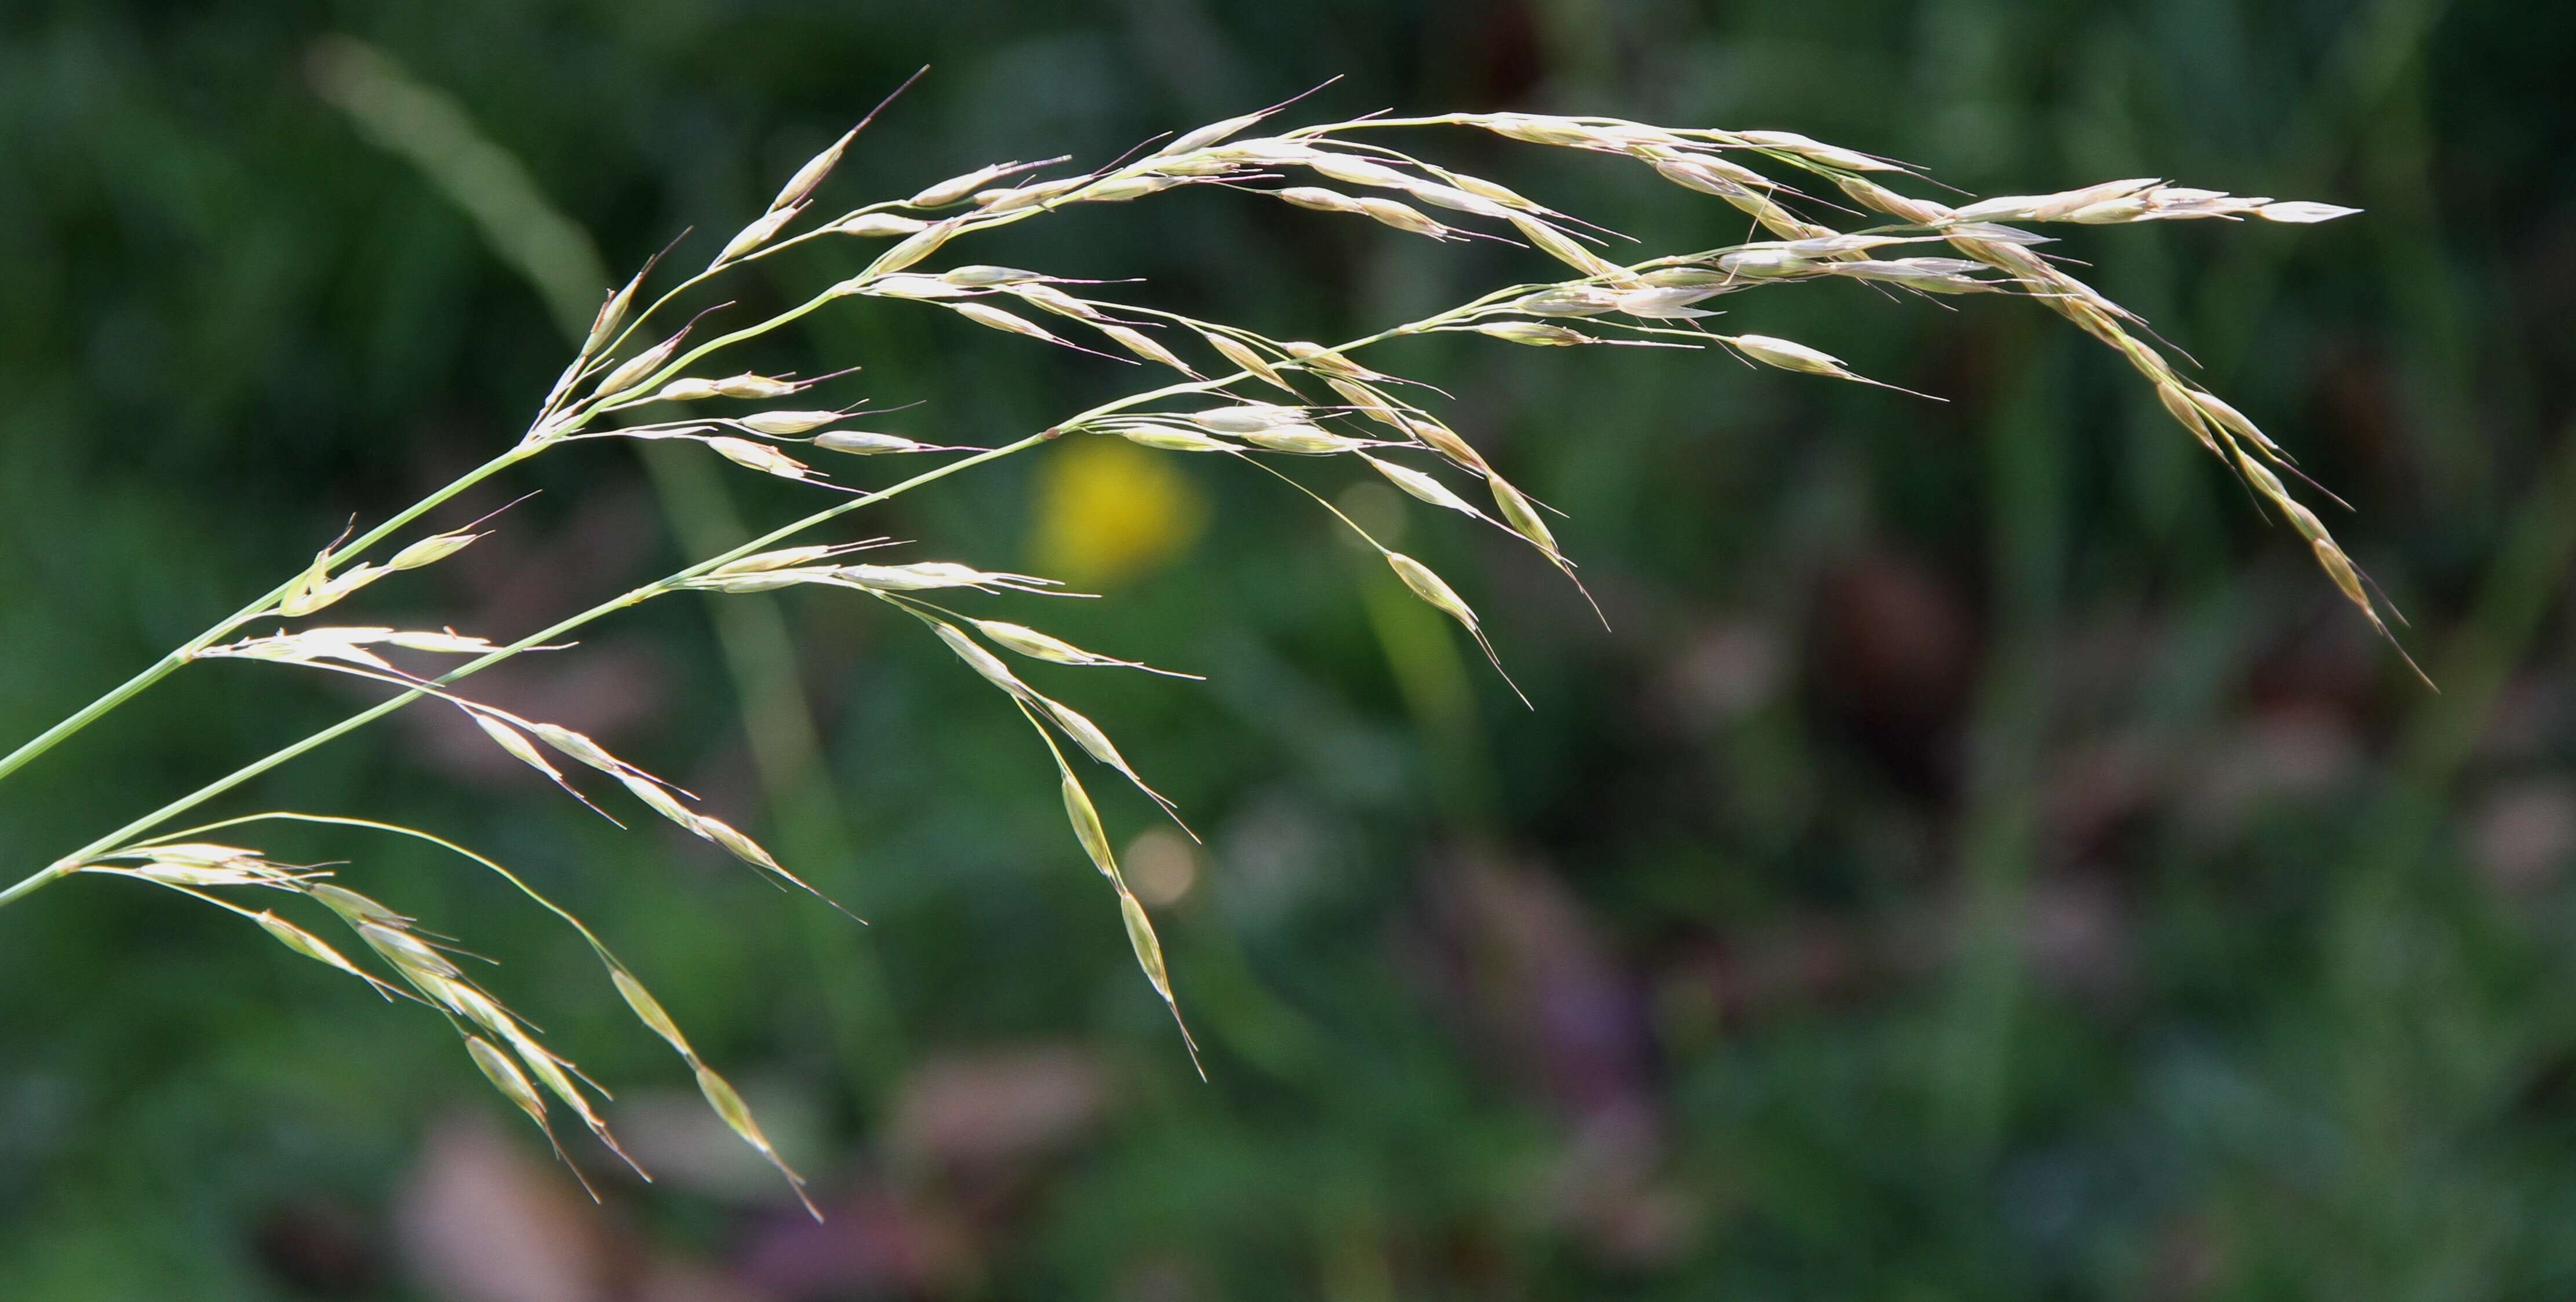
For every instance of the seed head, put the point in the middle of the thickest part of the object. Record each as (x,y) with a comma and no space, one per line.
(1135,342)
(1318,198)
(431,550)
(1569,300)
(864,443)
(1878,198)
(506,1077)
(920,244)
(662,802)
(1211,133)
(1086,826)
(1304,440)
(998,319)
(1163,438)
(1432,588)
(612,313)
(1421,486)
(1121,189)
(305,943)
(956,188)
(758,456)
(633,370)
(758,233)
(980,660)
(1242,355)
(1816,151)
(1787,354)
(1244,418)
(2302,212)
(1057,301)
(404,950)
(1327,361)
(1149,947)
(1555,244)
(761,562)
(801,185)
(352,907)
(877,225)
(1445,441)
(1038,646)
(580,748)
(1403,217)
(737,1116)
(1520,515)
(1533,334)
(1358,171)
(516,744)
(649,1010)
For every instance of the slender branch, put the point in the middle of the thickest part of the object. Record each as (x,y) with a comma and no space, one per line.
(170,663)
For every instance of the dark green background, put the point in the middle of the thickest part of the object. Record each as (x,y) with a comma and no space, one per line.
(1985,863)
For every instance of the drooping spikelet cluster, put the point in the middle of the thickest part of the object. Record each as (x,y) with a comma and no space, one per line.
(1239,394)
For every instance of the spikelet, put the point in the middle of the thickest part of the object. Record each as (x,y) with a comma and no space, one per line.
(1422,486)
(1135,341)
(736,1114)
(997,319)
(1164,438)
(1149,956)
(877,225)
(1055,650)
(758,456)
(1242,355)
(431,550)
(516,745)
(1437,593)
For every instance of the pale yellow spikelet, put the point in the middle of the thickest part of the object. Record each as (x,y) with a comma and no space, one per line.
(782,558)
(1437,593)
(1556,244)
(736,1115)
(1051,299)
(800,186)
(407,952)
(878,225)
(1533,334)
(1085,818)
(980,660)
(649,1011)
(955,189)
(1303,440)
(431,550)
(1318,198)
(997,319)
(1521,516)
(916,246)
(581,749)
(1422,486)
(1135,341)
(1164,438)
(1244,357)
(784,423)
(758,456)
(1149,956)
(507,1078)
(868,443)
(634,370)
(761,231)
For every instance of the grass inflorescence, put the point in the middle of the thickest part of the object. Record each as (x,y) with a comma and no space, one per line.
(1224,391)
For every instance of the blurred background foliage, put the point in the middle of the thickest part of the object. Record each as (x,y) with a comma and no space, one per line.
(1985,862)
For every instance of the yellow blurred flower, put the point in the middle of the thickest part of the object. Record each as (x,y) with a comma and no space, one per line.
(1108,510)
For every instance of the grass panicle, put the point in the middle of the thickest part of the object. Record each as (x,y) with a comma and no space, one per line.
(1241,394)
